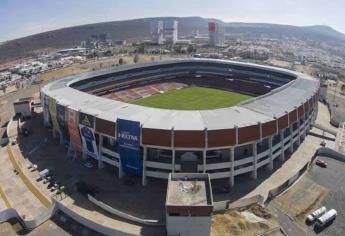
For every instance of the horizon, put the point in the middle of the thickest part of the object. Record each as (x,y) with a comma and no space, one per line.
(40,16)
(233,22)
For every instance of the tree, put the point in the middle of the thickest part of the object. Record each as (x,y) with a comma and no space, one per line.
(121,62)
(136,58)
(141,48)
(190,49)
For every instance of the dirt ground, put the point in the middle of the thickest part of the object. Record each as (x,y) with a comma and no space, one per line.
(280,63)
(7,229)
(306,69)
(301,200)
(98,64)
(253,221)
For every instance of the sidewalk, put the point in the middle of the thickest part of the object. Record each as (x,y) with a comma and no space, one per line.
(17,193)
(298,159)
(290,167)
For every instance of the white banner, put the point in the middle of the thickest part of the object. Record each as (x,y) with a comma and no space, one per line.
(88,140)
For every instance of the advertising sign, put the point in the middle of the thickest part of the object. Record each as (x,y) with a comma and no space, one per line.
(52,111)
(128,138)
(87,132)
(74,130)
(61,119)
(88,140)
(46,116)
(86,119)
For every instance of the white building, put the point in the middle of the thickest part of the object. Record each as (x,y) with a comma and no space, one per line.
(216,34)
(170,31)
(22,107)
(164,31)
(156,31)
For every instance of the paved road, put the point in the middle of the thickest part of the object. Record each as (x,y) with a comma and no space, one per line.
(286,223)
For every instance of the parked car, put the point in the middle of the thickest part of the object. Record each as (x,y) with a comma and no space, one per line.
(326,218)
(321,163)
(316,214)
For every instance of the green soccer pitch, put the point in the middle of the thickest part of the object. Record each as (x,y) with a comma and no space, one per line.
(193,98)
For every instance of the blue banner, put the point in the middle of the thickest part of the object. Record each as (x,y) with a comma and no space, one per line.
(128,138)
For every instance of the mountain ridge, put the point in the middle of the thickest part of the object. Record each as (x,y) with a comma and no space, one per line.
(138,29)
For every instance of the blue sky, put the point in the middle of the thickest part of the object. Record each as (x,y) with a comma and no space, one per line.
(20,18)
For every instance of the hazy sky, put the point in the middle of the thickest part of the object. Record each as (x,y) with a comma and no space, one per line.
(24,17)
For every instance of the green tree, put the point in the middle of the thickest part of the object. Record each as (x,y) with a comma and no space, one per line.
(141,48)
(136,58)
(190,49)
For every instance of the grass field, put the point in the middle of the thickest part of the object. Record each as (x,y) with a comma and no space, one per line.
(193,98)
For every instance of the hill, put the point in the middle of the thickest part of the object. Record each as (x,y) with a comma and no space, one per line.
(137,29)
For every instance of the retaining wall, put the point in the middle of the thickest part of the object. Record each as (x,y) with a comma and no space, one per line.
(122,214)
(32,187)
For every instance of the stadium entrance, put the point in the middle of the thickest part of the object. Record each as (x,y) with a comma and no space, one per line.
(189,163)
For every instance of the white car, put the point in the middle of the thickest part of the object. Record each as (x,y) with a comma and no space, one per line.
(316,214)
(88,165)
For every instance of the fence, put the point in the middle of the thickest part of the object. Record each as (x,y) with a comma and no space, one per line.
(276,191)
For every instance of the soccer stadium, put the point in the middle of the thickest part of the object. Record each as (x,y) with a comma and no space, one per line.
(219,117)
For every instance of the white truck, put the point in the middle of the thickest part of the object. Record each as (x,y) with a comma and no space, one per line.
(316,214)
(326,218)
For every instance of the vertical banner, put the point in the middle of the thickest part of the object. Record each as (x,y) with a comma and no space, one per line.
(128,138)
(52,111)
(87,132)
(61,119)
(74,130)
(46,116)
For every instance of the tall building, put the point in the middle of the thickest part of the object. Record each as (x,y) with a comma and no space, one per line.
(170,31)
(164,31)
(156,31)
(216,34)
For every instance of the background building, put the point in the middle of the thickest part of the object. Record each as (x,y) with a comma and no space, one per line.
(156,31)
(164,31)
(170,31)
(216,34)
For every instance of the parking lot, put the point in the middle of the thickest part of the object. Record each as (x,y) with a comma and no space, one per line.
(319,187)
(333,178)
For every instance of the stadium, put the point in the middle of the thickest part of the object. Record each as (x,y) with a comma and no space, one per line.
(191,115)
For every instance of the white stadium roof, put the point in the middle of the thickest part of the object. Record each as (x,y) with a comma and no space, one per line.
(259,109)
